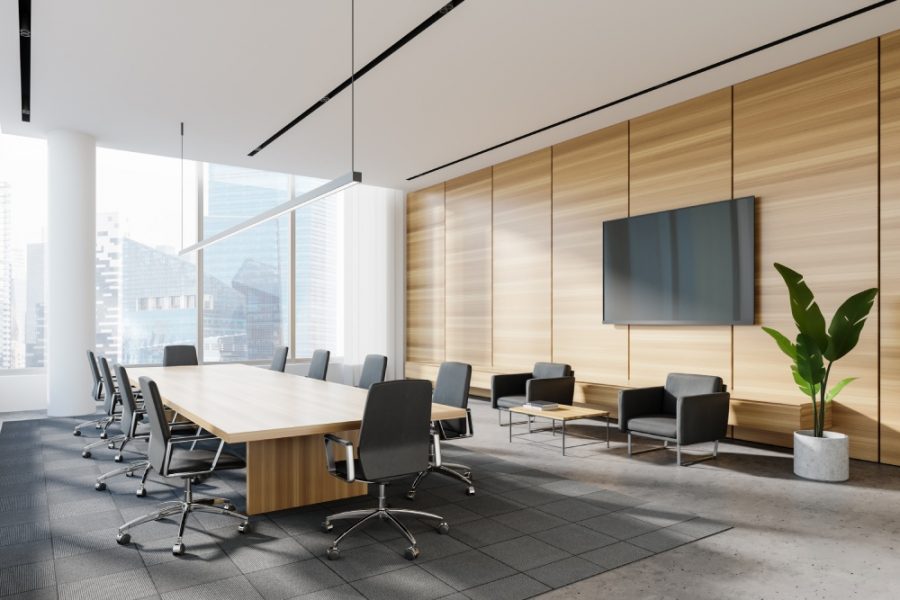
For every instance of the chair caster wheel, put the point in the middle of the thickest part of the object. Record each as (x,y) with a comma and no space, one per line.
(97,425)
(178,549)
(100,486)
(77,433)
(129,474)
(86,454)
(244,527)
(117,458)
(333,553)
(140,493)
(443,528)
(228,506)
(470,491)
(467,474)
(103,435)
(411,553)
(123,539)
(326,527)
(411,495)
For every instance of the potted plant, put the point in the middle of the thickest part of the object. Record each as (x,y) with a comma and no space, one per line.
(819,454)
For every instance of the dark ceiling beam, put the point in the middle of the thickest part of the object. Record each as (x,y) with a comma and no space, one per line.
(25,57)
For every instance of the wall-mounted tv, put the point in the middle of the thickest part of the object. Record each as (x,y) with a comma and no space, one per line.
(690,266)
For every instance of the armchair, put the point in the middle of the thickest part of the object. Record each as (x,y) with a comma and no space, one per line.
(689,409)
(551,382)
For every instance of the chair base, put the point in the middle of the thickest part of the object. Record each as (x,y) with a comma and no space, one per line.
(665,446)
(384,513)
(127,470)
(185,506)
(100,423)
(454,471)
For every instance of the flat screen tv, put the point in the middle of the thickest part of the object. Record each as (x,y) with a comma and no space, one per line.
(690,266)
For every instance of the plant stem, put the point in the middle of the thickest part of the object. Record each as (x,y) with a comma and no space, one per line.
(820,427)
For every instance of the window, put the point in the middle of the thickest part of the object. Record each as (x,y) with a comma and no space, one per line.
(246,283)
(141,225)
(23,217)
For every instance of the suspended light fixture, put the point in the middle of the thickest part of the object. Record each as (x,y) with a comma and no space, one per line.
(323,191)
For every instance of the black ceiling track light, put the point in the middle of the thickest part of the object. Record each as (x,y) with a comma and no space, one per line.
(25,57)
(437,16)
(658,86)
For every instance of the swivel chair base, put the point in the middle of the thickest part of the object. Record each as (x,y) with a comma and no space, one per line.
(384,513)
(128,471)
(460,472)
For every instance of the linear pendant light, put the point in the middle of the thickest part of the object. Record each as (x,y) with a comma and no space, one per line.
(332,187)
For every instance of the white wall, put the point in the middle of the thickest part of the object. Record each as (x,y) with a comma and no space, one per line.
(23,392)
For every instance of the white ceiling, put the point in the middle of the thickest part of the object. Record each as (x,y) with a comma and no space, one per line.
(236,71)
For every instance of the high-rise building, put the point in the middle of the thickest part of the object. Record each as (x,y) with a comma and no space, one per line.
(8,326)
(317,272)
(108,285)
(35,324)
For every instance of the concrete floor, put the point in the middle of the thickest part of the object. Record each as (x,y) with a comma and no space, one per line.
(792,538)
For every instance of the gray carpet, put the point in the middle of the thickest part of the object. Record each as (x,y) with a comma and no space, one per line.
(524,533)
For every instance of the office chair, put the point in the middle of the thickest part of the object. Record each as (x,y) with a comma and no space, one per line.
(451,389)
(96,393)
(170,459)
(180,356)
(279,361)
(393,444)
(374,368)
(318,365)
(551,382)
(112,400)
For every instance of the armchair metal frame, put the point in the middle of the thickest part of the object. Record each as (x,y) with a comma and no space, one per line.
(457,471)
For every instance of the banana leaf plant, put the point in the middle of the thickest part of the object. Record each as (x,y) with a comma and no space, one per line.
(816,349)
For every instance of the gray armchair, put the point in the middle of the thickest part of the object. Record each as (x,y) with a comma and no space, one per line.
(690,409)
(551,382)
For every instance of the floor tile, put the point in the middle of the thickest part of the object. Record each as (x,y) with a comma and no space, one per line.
(661,516)
(190,570)
(700,527)
(129,585)
(432,545)
(29,552)
(490,505)
(573,509)
(516,587)
(525,553)
(341,592)
(287,581)
(616,555)
(566,571)
(24,578)
(411,583)
(233,588)
(574,538)
(619,526)
(568,487)
(256,554)
(365,561)
(661,540)
(529,520)
(482,532)
(94,564)
(467,569)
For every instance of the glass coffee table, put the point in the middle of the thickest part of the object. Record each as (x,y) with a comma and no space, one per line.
(561,414)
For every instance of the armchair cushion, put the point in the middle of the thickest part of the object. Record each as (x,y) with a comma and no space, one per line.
(639,402)
(510,401)
(679,385)
(546,370)
(661,425)
(503,386)
(556,389)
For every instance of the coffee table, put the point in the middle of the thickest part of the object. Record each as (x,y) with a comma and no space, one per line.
(562,414)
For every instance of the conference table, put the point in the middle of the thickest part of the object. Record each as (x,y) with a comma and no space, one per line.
(281,418)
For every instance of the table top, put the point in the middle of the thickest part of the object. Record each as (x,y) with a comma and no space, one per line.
(242,403)
(563,413)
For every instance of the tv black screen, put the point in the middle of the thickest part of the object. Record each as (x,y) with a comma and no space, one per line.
(692,266)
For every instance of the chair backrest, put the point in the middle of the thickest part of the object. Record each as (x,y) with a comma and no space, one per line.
(318,365)
(179,356)
(95,375)
(547,370)
(374,368)
(279,361)
(679,385)
(109,399)
(394,434)
(159,427)
(129,405)
(451,388)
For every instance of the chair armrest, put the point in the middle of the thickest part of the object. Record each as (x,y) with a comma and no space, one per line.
(551,389)
(436,448)
(438,427)
(639,402)
(330,440)
(512,384)
(703,418)
(193,439)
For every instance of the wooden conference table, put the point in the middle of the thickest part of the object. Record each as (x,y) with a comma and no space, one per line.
(281,417)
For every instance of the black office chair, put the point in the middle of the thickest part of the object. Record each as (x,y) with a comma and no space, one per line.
(111,401)
(279,361)
(451,389)
(690,409)
(318,364)
(393,444)
(550,382)
(374,368)
(97,392)
(170,459)
(180,356)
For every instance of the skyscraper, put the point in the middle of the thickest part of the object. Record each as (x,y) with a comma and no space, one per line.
(8,325)
(35,325)
(108,285)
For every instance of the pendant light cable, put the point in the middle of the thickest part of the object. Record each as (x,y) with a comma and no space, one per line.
(352,86)
(182,184)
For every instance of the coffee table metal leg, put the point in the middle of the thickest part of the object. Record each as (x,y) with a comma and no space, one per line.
(564,436)
(509,412)
(607,430)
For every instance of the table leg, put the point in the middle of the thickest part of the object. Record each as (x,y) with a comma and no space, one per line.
(607,431)
(564,437)
(509,412)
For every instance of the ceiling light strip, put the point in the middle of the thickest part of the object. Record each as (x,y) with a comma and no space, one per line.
(438,15)
(25,57)
(332,187)
(715,65)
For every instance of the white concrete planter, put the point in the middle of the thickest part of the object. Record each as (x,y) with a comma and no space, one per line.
(822,458)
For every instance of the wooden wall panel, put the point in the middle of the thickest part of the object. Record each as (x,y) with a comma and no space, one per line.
(425,275)
(806,144)
(468,268)
(890,249)
(590,185)
(521,264)
(681,156)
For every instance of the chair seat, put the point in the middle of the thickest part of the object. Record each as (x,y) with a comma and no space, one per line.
(189,461)
(510,401)
(143,429)
(661,425)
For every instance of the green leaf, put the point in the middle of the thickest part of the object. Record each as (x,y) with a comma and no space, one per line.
(804,385)
(809,361)
(837,388)
(848,322)
(807,314)
(786,345)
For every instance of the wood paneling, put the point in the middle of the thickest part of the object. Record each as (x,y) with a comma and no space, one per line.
(681,156)
(468,267)
(425,274)
(890,249)
(521,265)
(590,185)
(806,144)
